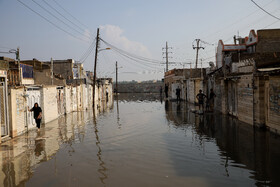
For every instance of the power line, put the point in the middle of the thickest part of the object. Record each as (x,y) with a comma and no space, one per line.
(69,13)
(87,53)
(130,54)
(265,10)
(58,27)
(69,26)
(62,15)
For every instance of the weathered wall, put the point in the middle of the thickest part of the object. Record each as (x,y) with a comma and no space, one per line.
(79,98)
(269,40)
(245,99)
(274,104)
(68,99)
(28,81)
(43,77)
(260,101)
(17,112)
(219,95)
(191,91)
(63,68)
(49,103)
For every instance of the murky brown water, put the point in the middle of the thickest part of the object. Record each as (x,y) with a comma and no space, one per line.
(142,141)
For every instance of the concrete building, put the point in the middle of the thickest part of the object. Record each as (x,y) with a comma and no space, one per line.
(190,81)
(43,74)
(63,68)
(33,81)
(246,81)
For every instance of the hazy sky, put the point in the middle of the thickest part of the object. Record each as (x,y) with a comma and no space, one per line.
(139,27)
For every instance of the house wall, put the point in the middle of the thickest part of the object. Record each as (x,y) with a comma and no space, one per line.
(79,98)
(219,55)
(43,77)
(68,97)
(74,98)
(49,103)
(191,91)
(245,99)
(63,68)
(260,101)
(273,121)
(17,117)
(28,81)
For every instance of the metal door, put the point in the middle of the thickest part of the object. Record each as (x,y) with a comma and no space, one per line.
(3,108)
(33,96)
(60,101)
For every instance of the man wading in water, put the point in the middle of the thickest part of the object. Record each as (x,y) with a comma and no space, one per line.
(37,114)
(200,97)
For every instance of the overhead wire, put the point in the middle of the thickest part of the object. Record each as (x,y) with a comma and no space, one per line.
(63,15)
(69,13)
(265,10)
(69,26)
(137,64)
(88,52)
(55,25)
(130,54)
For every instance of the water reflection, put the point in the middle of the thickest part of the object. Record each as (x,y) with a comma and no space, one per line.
(139,97)
(102,166)
(20,156)
(239,145)
(142,143)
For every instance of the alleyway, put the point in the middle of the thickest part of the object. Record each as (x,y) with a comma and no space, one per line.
(142,141)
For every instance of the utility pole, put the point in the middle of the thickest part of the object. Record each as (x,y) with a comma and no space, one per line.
(52,70)
(116,77)
(197,49)
(166,55)
(18,61)
(94,73)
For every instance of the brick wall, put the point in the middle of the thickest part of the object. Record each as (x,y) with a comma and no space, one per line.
(274,103)
(245,99)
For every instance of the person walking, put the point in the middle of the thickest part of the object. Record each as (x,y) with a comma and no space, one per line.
(200,97)
(178,94)
(212,99)
(37,113)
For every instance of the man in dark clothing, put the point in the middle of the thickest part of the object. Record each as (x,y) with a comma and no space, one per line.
(211,99)
(37,113)
(166,91)
(178,94)
(200,97)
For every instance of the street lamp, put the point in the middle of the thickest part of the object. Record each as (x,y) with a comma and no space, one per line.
(108,48)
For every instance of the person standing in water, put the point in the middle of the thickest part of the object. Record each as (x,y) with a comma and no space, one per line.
(37,113)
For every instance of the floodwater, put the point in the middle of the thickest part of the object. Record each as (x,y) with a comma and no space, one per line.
(141,140)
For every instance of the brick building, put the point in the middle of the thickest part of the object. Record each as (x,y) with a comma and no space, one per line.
(247,78)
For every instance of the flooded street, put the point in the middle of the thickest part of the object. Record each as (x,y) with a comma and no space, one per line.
(141,140)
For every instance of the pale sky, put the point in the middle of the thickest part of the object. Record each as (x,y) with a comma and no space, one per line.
(138,27)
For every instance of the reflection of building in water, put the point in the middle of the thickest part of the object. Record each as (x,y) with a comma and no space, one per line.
(19,156)
(105,105)
(178,113)
(238,142)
